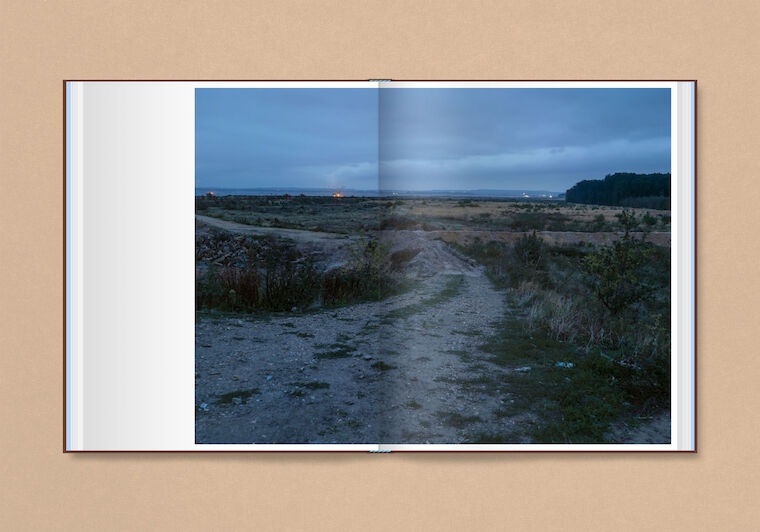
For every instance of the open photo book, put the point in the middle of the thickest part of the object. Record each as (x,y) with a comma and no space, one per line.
(379,266)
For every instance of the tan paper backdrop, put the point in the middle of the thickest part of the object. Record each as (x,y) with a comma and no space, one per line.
(46,42)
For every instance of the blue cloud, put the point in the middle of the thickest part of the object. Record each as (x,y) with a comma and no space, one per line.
(428,138)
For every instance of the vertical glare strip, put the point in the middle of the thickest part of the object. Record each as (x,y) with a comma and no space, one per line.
(693,280)
(675,229)
(682,250)
(74,253)
(80,271)
(76,274)
(686,401)
(687,277)
(67,323)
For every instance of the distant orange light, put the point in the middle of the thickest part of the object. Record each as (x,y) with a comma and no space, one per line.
(337,194)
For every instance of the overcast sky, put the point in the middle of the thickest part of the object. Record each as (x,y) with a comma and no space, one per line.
(533,139)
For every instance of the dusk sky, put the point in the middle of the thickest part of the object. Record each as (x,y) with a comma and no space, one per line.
(444,139)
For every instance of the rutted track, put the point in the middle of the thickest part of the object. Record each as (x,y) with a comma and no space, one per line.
(376,372)
(298,235)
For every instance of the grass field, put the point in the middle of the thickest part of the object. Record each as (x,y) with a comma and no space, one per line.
(355,215)
(571,341)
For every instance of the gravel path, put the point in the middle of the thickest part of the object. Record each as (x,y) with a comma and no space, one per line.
(404,370)
(298,235)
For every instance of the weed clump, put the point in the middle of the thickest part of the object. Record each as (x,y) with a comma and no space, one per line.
(279,278)
(591,322)
(616,271)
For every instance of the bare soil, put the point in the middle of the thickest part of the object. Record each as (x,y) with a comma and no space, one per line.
(390,371)
(404,370)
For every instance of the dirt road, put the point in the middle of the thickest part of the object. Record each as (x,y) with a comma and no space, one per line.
(404,370)
(297,235)
(660,238)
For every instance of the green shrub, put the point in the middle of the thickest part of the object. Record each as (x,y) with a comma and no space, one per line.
(288,286)
(241,286)
(599,223)
(617,270)
(529,249)
(286,280)
(614,270)
(603,309)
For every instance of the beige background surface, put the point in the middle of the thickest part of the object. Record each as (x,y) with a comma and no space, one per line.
(45,42)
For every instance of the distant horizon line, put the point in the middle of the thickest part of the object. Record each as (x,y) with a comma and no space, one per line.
(397,190)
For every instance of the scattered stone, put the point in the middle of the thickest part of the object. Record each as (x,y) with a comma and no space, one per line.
(523,369)
(264,353)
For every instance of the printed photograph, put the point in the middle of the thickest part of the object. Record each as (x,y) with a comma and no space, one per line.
(432,265)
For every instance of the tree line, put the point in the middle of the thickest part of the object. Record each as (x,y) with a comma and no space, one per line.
(650,191)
